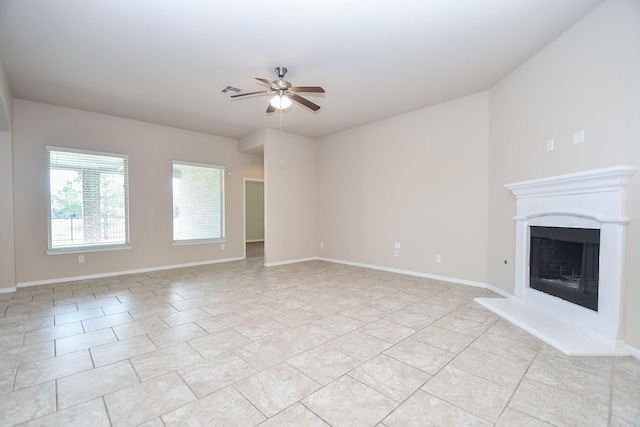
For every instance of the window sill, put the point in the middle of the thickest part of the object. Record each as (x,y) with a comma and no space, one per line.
(197,242)
(87,249)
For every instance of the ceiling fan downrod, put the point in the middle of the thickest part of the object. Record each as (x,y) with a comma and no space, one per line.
(281,71)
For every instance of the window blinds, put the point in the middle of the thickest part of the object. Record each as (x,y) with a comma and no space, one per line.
(88,204)
(198,202)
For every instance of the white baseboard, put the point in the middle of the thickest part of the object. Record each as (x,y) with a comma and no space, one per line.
(499,291)
(291,261)
(121,273)
(396,270)
(635,352)
(413,273)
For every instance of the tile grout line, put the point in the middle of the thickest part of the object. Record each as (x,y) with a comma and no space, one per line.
(611,391)
(522,378)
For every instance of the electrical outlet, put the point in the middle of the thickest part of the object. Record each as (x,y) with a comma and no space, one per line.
(81,258)
(397,245)
(438,258)
(396,253)
(321,245)
(222,246)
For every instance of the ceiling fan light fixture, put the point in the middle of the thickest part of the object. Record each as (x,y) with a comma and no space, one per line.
(280,102)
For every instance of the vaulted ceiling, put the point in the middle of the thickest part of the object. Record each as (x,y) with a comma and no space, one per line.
(166,62)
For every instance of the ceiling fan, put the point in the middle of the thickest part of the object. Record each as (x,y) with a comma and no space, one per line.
(284,93)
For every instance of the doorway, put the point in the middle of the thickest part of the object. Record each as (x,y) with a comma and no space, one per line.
(254,218)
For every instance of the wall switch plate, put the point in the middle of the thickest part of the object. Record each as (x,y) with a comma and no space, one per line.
(578,137)
(550,145)
(321,245)
(397,245)
(438,258)
(81,258)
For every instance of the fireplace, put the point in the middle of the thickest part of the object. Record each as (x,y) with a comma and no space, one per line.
(563,262)
(569,260)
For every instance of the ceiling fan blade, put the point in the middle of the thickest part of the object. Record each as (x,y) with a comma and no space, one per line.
(316,89)
(271,109)
(305,102)
(250,93)
(267,82)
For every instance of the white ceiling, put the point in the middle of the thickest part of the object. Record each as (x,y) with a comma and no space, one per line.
(166,61)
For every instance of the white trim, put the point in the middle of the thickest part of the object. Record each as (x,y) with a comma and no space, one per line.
(395,270)
(561,335)
(84,151)
(598,180)
(591,199)
(197,241)
(85,249)
(291,261)
(200,165)
(244,217)
(273,264)
(412,273)
(121,273)
(499,291)
(577,214)
(621,348)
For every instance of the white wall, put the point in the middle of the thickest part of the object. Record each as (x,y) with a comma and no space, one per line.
(151,148)
(419,179)
(254,143)
(5,102)
(587,79)
(290,197)
(7,252)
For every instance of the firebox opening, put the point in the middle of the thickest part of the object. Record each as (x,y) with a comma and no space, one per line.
(564,263)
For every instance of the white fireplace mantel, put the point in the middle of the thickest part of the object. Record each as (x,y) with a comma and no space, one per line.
(599,180)
(591,199)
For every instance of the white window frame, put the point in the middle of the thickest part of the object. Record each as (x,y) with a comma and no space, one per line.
(91,247)
(222,237)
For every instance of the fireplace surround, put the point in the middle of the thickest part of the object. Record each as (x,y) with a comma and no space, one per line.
(592,200)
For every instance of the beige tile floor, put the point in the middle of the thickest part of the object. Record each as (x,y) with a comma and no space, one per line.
(310,344)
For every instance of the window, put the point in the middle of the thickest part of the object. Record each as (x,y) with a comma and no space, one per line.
(88,199)
(198,202)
